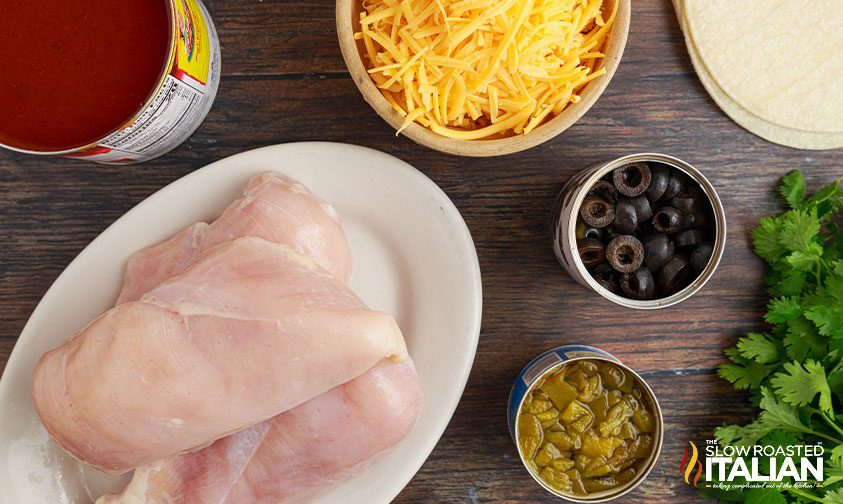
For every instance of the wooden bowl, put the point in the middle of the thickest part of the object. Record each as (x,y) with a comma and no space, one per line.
(348,22)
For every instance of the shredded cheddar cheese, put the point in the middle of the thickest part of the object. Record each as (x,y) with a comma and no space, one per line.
(477,69)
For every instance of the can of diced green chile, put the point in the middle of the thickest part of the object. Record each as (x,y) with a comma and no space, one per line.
(548,363)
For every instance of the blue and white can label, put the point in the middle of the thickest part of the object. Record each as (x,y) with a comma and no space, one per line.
(537,367)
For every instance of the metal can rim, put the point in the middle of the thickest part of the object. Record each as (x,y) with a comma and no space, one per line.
(657,447)
(719,241)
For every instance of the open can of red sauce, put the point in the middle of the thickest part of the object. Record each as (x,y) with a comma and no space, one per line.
(114,82)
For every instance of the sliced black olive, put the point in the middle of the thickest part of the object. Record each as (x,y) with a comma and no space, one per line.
(700,256)
(643,210)
(626,218)
(606,276)
(658,182)
(603,270)
(586,231)
(674,275)
(667,220)
(675,185)
(605,189)
(685,202)
(638,285)
(689,238)
(597,211)
(657,250)
(607,283)
(632,179)
(696,220)
(625,253)
(592,251)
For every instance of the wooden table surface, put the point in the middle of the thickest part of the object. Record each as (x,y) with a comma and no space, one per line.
(284,80)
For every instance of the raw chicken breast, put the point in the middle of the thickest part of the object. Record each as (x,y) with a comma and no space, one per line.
(294,456)
(273,207)
(251,329)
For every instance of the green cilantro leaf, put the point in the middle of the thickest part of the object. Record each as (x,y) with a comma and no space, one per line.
(759,347)
(833,496)
(837,455)
(833,470)
(835,382)
(743,373)
(793,189)
(765,239)
(828,319)
(774,415)
(792,283)
(764,496)
(802,340)
(827,200)
(834,287)
(794,371)
(799,229)
(783,309)
(806,260)
(798,385)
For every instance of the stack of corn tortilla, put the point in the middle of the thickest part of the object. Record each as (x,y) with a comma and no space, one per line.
(774,66)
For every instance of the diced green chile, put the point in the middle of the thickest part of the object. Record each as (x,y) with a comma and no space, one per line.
(603,434)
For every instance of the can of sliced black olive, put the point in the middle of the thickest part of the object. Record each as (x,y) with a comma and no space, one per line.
(566,219)
(600,424)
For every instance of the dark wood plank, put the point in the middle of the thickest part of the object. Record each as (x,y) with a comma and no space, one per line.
(284,81)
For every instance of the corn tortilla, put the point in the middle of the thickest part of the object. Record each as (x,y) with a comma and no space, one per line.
(780,60)
(756,125)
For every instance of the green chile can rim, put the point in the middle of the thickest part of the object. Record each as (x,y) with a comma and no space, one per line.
(551,361)
(565,221)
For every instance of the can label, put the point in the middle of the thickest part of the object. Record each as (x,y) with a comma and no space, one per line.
(538,367)
(179,104)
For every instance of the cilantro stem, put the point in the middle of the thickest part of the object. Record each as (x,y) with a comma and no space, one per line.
(803,493)
(824,436)
(833,425)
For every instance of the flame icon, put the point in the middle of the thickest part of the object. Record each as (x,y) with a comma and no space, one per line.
(687,466)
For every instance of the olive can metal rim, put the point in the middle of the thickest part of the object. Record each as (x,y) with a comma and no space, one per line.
(563,228)
(552,360)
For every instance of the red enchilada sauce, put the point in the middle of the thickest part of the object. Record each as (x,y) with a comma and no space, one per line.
(72,71)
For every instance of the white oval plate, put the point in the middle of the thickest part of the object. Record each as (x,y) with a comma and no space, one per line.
(413,258)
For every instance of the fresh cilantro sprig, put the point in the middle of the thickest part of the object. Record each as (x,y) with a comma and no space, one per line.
(794,370)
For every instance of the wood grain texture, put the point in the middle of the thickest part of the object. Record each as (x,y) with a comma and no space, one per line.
(284,80)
